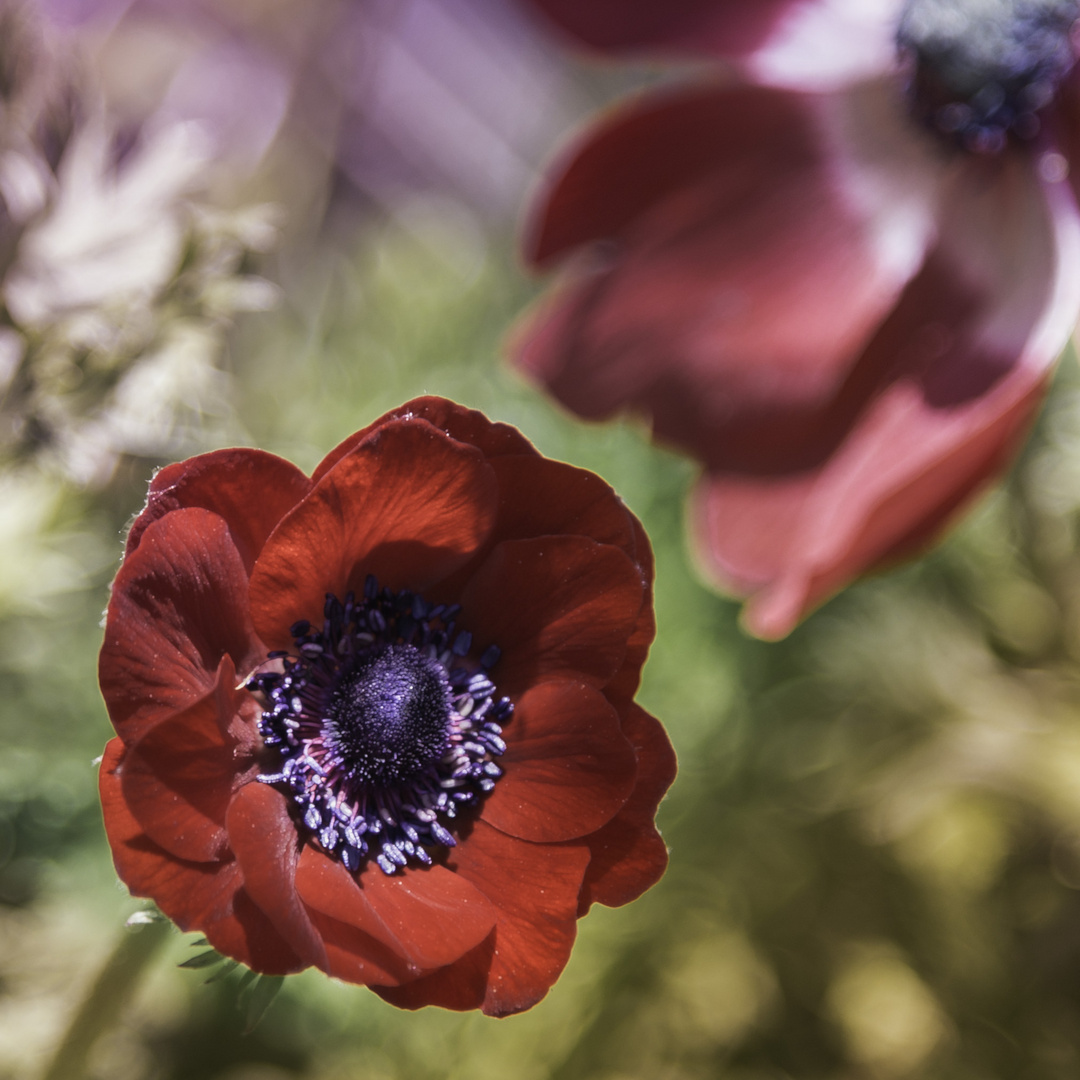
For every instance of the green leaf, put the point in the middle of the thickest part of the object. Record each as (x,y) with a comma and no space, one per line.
(226,969)
(206,959)
(255,999)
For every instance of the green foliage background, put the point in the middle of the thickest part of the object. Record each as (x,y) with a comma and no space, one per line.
(875,834)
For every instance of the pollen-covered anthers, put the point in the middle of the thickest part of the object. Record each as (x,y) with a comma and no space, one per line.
(385,733)
(983,70)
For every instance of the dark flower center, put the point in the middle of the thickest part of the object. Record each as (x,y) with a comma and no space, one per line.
(982,70)
(390,715)
(385,732)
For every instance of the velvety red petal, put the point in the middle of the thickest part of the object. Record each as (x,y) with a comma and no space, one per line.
(624,685)
(250,489)
(461,986)
(203,896)
(408,505)
(356,956)
(736,303)
(569,768)
(534,888)
(263,837)
(540,497)
(628,854)
(557,606)
(179,604)
(359,946)
(179,777)
(949,386)
(492,439)
(436,914)
(720,27)
(431,917)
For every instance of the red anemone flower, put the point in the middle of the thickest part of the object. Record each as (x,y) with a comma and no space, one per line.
(838,275)
(381,720)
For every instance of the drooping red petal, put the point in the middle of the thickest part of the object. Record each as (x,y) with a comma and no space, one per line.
(950,384)
(408,505)
(208,897)
(466,425)
(738,299)
(460,986)
(179,777)
(264,839)
(534,888)
(251,489)
(356,956)
(628,854)
(569,768)
(557,607)
(360,948)
(179,604)
(430,917)
(719,27)
(436,914)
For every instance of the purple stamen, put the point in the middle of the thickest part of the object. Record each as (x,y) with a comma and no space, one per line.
(378,735)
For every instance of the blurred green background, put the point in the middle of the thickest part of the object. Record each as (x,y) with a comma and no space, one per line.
(875,833)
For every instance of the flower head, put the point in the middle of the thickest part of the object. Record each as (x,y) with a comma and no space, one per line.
(839,281)
(381,720)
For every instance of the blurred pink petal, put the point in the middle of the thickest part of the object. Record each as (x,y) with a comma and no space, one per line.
(695,25)
(843,299)
(947,389)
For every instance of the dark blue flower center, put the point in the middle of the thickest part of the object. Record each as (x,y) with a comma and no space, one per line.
(385,731)
(389,717)
(982,70)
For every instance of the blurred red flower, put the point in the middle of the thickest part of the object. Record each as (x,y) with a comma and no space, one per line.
(354,802)
(838,275)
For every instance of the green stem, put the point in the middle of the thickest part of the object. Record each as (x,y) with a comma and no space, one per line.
(106,999)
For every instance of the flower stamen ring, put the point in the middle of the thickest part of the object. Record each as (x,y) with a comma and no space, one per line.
(385,733)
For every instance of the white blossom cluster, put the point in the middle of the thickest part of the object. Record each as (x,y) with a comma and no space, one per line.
(119,278)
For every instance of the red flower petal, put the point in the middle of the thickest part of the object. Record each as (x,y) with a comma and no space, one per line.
(742,297)
(208,897)
(621,689)
(569,769)
(464,425)
(179,777)
(437,915)
(408,505)
(628,854)
(264,840)
(461,986)
(356,956)
(250,489)
(721,27)
(949,386)
(431,917)
(650,149)
(540,497)
(359,946)
(534,888)
(179,604)
(557,606)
